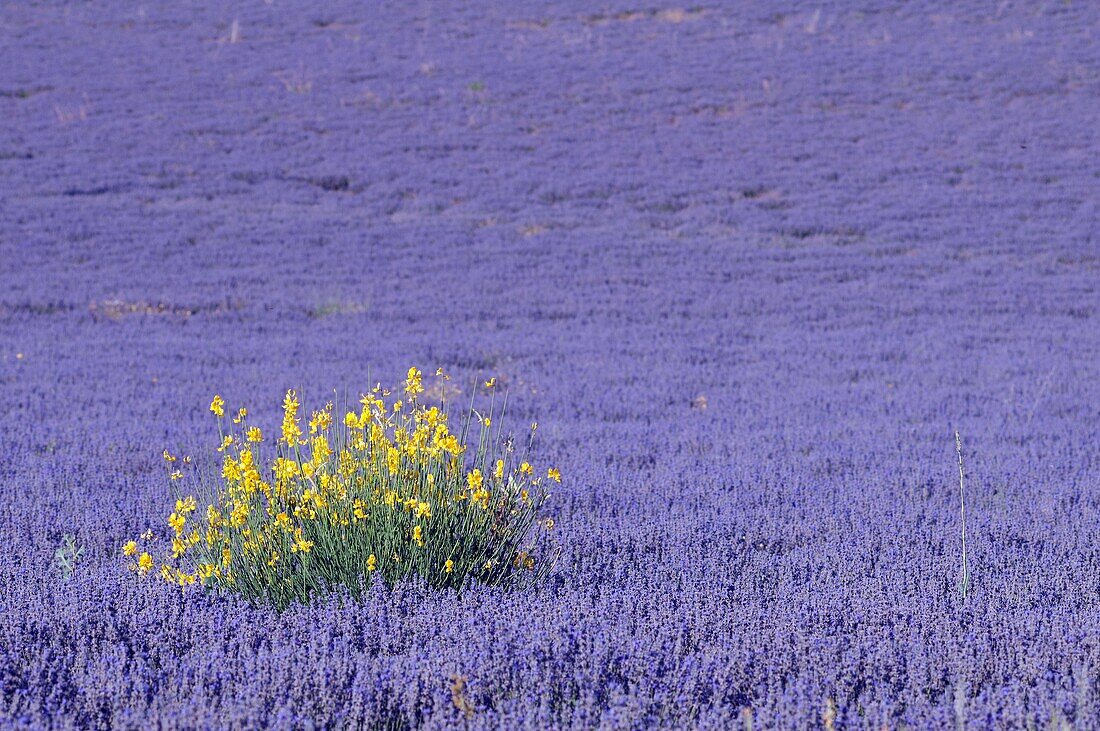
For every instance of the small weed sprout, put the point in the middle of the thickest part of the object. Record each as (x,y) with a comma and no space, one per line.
(67,555)
(964,581)
(828,715)
(382,491)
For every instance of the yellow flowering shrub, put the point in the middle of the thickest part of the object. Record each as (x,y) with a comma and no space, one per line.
(385,491)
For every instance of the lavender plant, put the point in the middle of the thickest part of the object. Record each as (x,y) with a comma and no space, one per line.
(745,262)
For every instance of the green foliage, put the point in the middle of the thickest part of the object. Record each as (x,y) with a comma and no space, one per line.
(67,555)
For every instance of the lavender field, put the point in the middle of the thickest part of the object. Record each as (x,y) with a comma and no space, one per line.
(749,265)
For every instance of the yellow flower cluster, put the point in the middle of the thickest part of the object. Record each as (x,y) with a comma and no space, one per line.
(388,487)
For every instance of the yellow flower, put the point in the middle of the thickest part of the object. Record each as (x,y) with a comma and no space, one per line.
(451,444)
(553,474)
(526,468)
(351,421)
(206,570)
(241,414)
(217,406)
(372,403)
(491,382)
(168,457)
(185,506)
(300,543)
(228,440)
(285,468)
(291,430)
(414,383)
(145,563)
(130,548)
(239,515)
(449,567)
(176,475)
(474,480)
(432,417)
(488,421)
(254,434)
(372,563)
(418,535)
(176,521)
(178,547)
(423,510)
(549,524)
(393,460)
(231,471)
(321,449)
(320,421)
(499,471)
